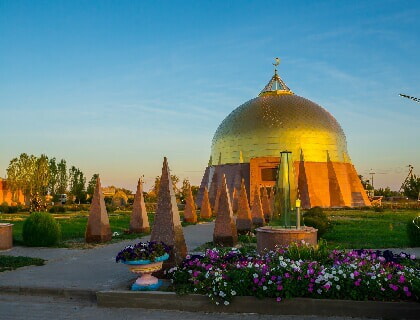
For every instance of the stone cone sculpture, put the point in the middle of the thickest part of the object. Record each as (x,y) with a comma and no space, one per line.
(98,228)
(167,226)
(266,205)
(257,212)
(139,221)
(243,218)
(234,200)
(205,211)
(214,187)
(190,213)
(272,202)
(216,201)
(225,233)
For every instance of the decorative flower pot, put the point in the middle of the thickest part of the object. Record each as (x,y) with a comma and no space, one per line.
(145,268)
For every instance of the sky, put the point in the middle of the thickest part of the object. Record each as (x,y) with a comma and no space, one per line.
(113,86)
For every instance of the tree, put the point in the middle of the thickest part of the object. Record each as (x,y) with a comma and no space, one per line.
(52,185)
(30,175)
(365,182)
(91,185)
(412,187)
(155,189)
(386,192)
(41,176)
(62,177)
(77,184)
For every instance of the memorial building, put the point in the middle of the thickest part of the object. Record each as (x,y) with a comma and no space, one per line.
(248,142)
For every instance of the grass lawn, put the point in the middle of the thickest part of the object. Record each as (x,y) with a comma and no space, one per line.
(357,229)
(369,229)
(11,263)
(73,226)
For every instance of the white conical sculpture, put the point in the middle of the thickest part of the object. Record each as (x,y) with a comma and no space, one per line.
(205,210)
(225,233)
(257,210)
(243,218)
(98,228)
(190,214)
(167,225)
(139,221)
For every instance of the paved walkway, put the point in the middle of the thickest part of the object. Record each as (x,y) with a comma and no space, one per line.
(85,269)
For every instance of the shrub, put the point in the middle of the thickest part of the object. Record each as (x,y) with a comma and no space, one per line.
(57,209)
(315,217)
(5,208)
(41,230)
(378,209)
(110,208)
(413,231)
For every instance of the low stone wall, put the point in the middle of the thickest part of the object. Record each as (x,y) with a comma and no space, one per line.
(296,306)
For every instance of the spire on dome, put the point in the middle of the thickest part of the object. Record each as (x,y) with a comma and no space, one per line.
(276,85)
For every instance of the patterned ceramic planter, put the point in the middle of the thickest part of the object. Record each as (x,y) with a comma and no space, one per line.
(145,268)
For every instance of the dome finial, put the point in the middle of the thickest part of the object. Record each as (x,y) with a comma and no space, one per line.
(275,64)
(276,86)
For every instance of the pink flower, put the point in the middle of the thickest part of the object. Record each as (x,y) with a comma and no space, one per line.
(287,275)
(256,280)
(279,287)
(356,273)
(401,279)
(278,299)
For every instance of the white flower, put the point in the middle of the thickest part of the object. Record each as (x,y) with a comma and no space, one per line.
(335,278)
(226,303)
(373,277)
(352,275)
(340,271)
(270,282)
(264,288)
(319,291)
(255,275)
(233,293)
(217,303)
(338,287)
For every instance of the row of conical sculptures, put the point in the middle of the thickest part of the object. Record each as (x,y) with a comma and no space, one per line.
(98,228)
(226,229)
(167,223)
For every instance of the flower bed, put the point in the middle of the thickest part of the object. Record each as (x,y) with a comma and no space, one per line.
(299,271)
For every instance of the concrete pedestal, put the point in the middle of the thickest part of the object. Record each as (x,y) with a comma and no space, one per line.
(6,236)
(270,237)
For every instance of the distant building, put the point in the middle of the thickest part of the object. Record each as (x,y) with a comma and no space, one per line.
(6,195)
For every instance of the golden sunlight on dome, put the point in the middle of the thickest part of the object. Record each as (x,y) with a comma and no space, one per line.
(278,120)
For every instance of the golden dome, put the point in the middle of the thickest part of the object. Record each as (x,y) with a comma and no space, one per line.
(275,121)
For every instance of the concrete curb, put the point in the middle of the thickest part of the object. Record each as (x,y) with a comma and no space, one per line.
(297,306)
(87,295)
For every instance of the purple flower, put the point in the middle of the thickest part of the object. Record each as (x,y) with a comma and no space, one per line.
(393,287)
